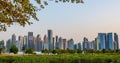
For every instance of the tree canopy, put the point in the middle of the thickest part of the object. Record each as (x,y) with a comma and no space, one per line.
(20,11)
(14,49)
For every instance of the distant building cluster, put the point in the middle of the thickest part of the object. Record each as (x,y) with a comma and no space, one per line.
(102,41)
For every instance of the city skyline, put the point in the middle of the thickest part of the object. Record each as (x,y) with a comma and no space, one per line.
(79,21)
(54,35)
(108,41)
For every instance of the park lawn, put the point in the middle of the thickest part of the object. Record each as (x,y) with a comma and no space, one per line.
(61,58)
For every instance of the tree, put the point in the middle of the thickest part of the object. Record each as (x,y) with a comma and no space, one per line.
(14,49)
(0,50)
(29,51)
(20,11)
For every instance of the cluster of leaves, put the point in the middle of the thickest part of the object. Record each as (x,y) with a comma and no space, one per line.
(14,49)
(20,11)
(60,51)
(101,51)
(29,51)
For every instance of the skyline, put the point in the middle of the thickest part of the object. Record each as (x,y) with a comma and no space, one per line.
(80,20)
(54,36)
(102,41)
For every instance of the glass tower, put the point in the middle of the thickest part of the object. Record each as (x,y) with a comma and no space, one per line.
(116,41)
(50,39)
(102,40)
(110,41)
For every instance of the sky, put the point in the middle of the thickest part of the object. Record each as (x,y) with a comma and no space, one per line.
(75,21)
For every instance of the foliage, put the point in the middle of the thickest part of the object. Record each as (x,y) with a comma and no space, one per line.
(0,50)
(20,11)
(14,49)
(29,51)
(62,58)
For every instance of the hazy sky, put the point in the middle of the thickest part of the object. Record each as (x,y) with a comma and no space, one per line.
(73,20)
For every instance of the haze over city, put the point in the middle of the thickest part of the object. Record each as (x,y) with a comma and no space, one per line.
(73,21)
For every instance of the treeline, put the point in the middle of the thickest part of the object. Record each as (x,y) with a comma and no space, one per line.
(60,51)
(14,50)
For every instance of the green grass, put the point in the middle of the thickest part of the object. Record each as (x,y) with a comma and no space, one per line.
(62,58)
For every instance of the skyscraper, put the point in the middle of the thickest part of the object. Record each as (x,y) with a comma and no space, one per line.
(25,41)
(20,39)
(60,43)
(116,41)
(110,41)
(8,44)
(38,45)
(102,40)
(30,40)
(65,44)
(50,39)
(45,46)
(53,43)
(57,42)
(75,46)
(79,46)
(97,44)
(85,43)
(71,44)
(13,39)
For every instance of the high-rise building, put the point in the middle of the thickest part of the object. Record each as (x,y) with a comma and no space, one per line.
(110,41)
(65,44)
(45,46)
(92,45)
(71,44)
(13,39)
(75,47)
(116,41)
(60,43)
(102,40)
(85,43)
(79,46)
(30,40)
(35,39)
(45,39)
(38,45)
(1,43)
(97,44)
(8,44)
(53,43)
(50,39)
(20,39)
(25,42)
(57,43)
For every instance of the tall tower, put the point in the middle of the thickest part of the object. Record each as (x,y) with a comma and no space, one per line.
(65,44)
(102,40)
(20,38)
(71,44)
(60,43)
(56,43)
(30,40)
(13,39)
(45,42)
(116,41)
(38,45)
(110,41)
(85,43)
(50,39)
(25,41)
